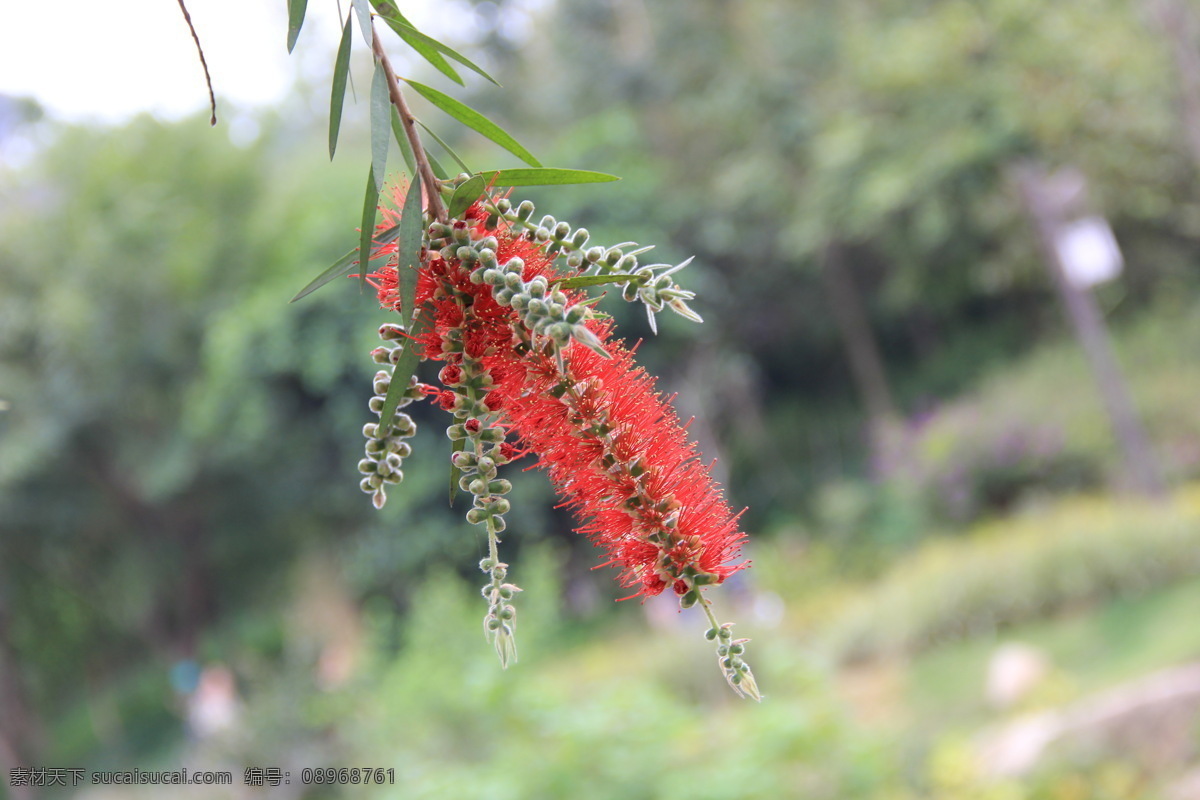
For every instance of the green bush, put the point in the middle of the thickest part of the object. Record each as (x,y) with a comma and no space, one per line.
(1080,550)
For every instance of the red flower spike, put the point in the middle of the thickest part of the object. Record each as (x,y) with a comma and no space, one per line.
(612,446)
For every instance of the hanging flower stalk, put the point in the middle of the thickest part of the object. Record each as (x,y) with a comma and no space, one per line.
(527,366)
(530,368)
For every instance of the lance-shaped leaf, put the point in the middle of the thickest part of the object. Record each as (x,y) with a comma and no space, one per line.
(428,47)
(408,261)
(467,193)
(370,208)
(296,9)
(343,265)
(363,9)
(544,176)
(402,140)
(403,371)
(446,147)
(438,170)
(455,473)
(380,124)
(412,228)
(475,121)
(341,71)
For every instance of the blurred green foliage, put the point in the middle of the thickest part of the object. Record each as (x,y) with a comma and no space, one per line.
(1085,550)
(174,432)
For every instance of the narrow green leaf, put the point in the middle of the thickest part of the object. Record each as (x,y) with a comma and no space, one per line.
(523,176)
(370,209)
(426,47)
(474,120)
(455,473)
(580,281)
(403,371)
(343,265)
(405,30)
(445,146)
(380,118)
(363,9)
(438,170)
(412,226)
(296,9)
(402,140)
(341,71)
(464,195)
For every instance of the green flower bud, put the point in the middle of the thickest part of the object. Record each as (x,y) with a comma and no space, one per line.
(366,466)
(508,612)
(390,332)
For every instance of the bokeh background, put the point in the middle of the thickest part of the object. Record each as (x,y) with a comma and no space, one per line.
(968,582)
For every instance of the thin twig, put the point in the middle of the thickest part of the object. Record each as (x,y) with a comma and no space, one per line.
(212,98)
(432,195)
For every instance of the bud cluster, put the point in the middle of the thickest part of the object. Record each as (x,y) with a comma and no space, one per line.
(386,449)
(500,624)
(482,451)
(651,284)
(729,656)
(544,310)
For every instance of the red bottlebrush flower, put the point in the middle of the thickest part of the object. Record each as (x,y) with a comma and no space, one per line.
(612,446)
(616,452)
